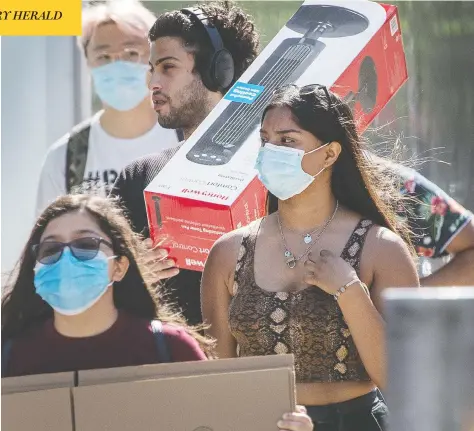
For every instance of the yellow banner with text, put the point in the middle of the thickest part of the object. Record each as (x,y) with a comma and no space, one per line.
(40,17)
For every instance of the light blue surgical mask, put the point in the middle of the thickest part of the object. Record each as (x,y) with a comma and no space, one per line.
(71,286)
(121,84)
(279,169)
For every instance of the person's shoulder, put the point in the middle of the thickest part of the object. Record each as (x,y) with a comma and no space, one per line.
(377,237)
(383,243)
(184,346)
(386,253)
(149,162)
(382,235)
(60,145)
(372,233)
(175,331)
(35,333)
(226,251)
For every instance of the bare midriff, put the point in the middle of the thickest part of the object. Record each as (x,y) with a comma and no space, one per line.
(318,394)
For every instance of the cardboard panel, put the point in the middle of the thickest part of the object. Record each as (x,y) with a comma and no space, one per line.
(39,410)
(183,369)
(11,385)
(238,401)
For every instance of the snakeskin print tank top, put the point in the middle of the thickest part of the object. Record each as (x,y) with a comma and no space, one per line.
(307,323)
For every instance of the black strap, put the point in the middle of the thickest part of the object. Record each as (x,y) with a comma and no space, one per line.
(160,340)
(6,349)
(180,134)
(77,150)
(76,154)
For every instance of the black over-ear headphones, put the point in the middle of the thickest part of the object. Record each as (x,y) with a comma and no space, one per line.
(218,75)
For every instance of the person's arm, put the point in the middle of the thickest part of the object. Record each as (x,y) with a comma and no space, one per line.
(386,262)
(128,188)
(133,180)
(442,226)
(216,287)
(52,180)
(459,271)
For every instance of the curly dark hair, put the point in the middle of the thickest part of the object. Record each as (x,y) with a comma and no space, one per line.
(22,308)
(235,27)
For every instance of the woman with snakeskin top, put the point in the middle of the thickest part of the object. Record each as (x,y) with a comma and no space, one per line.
(307,279)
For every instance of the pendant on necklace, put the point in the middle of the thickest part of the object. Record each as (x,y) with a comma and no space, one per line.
(290,259)
(307,239)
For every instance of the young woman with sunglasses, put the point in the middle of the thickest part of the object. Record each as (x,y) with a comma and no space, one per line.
(81,298)
(307,279)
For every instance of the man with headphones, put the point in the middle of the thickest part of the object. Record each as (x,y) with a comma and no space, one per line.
(196,55)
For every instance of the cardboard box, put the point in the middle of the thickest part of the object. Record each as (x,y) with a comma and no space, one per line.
(38,403)
(210,186)
(230,394)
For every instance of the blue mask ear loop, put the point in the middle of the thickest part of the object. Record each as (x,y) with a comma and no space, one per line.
(316,149)
(312,151)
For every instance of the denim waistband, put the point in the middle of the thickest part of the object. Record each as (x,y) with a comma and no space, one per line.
(329,411)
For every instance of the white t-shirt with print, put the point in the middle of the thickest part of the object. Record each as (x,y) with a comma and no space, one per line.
(106,157)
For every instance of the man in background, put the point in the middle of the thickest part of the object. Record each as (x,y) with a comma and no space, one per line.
(114,42)
(184,93)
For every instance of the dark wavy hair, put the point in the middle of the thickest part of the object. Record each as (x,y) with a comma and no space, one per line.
(235,27)
(22,308)
(358,181)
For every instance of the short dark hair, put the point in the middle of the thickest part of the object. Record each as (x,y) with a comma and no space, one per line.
(235,27)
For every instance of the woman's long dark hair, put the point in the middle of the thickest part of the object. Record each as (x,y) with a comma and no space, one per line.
(357,182)
(22,307)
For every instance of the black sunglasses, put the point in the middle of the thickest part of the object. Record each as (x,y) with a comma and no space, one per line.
(49,252)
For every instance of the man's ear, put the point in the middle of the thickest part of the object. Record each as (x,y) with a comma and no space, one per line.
(332,153)
(121,266)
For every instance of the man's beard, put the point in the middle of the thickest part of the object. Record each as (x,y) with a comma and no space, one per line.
(192,110)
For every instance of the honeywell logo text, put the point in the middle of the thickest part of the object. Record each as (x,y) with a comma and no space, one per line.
(247,212)
(207,194)
(193,262)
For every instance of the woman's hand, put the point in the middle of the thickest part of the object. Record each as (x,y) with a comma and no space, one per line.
(158,261)
(328,271)
(297,421)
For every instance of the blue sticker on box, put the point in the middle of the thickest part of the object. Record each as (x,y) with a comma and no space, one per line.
(244,93)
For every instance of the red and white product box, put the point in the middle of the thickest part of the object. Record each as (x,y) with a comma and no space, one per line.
(210,186)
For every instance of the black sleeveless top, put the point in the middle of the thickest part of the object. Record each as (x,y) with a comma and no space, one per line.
(307,323)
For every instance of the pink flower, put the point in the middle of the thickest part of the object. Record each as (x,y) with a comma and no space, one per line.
(426,252)
(438,206)
(410,185)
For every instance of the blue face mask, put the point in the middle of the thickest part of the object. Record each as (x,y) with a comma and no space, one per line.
(72,286)
(280,171)
(121,84)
